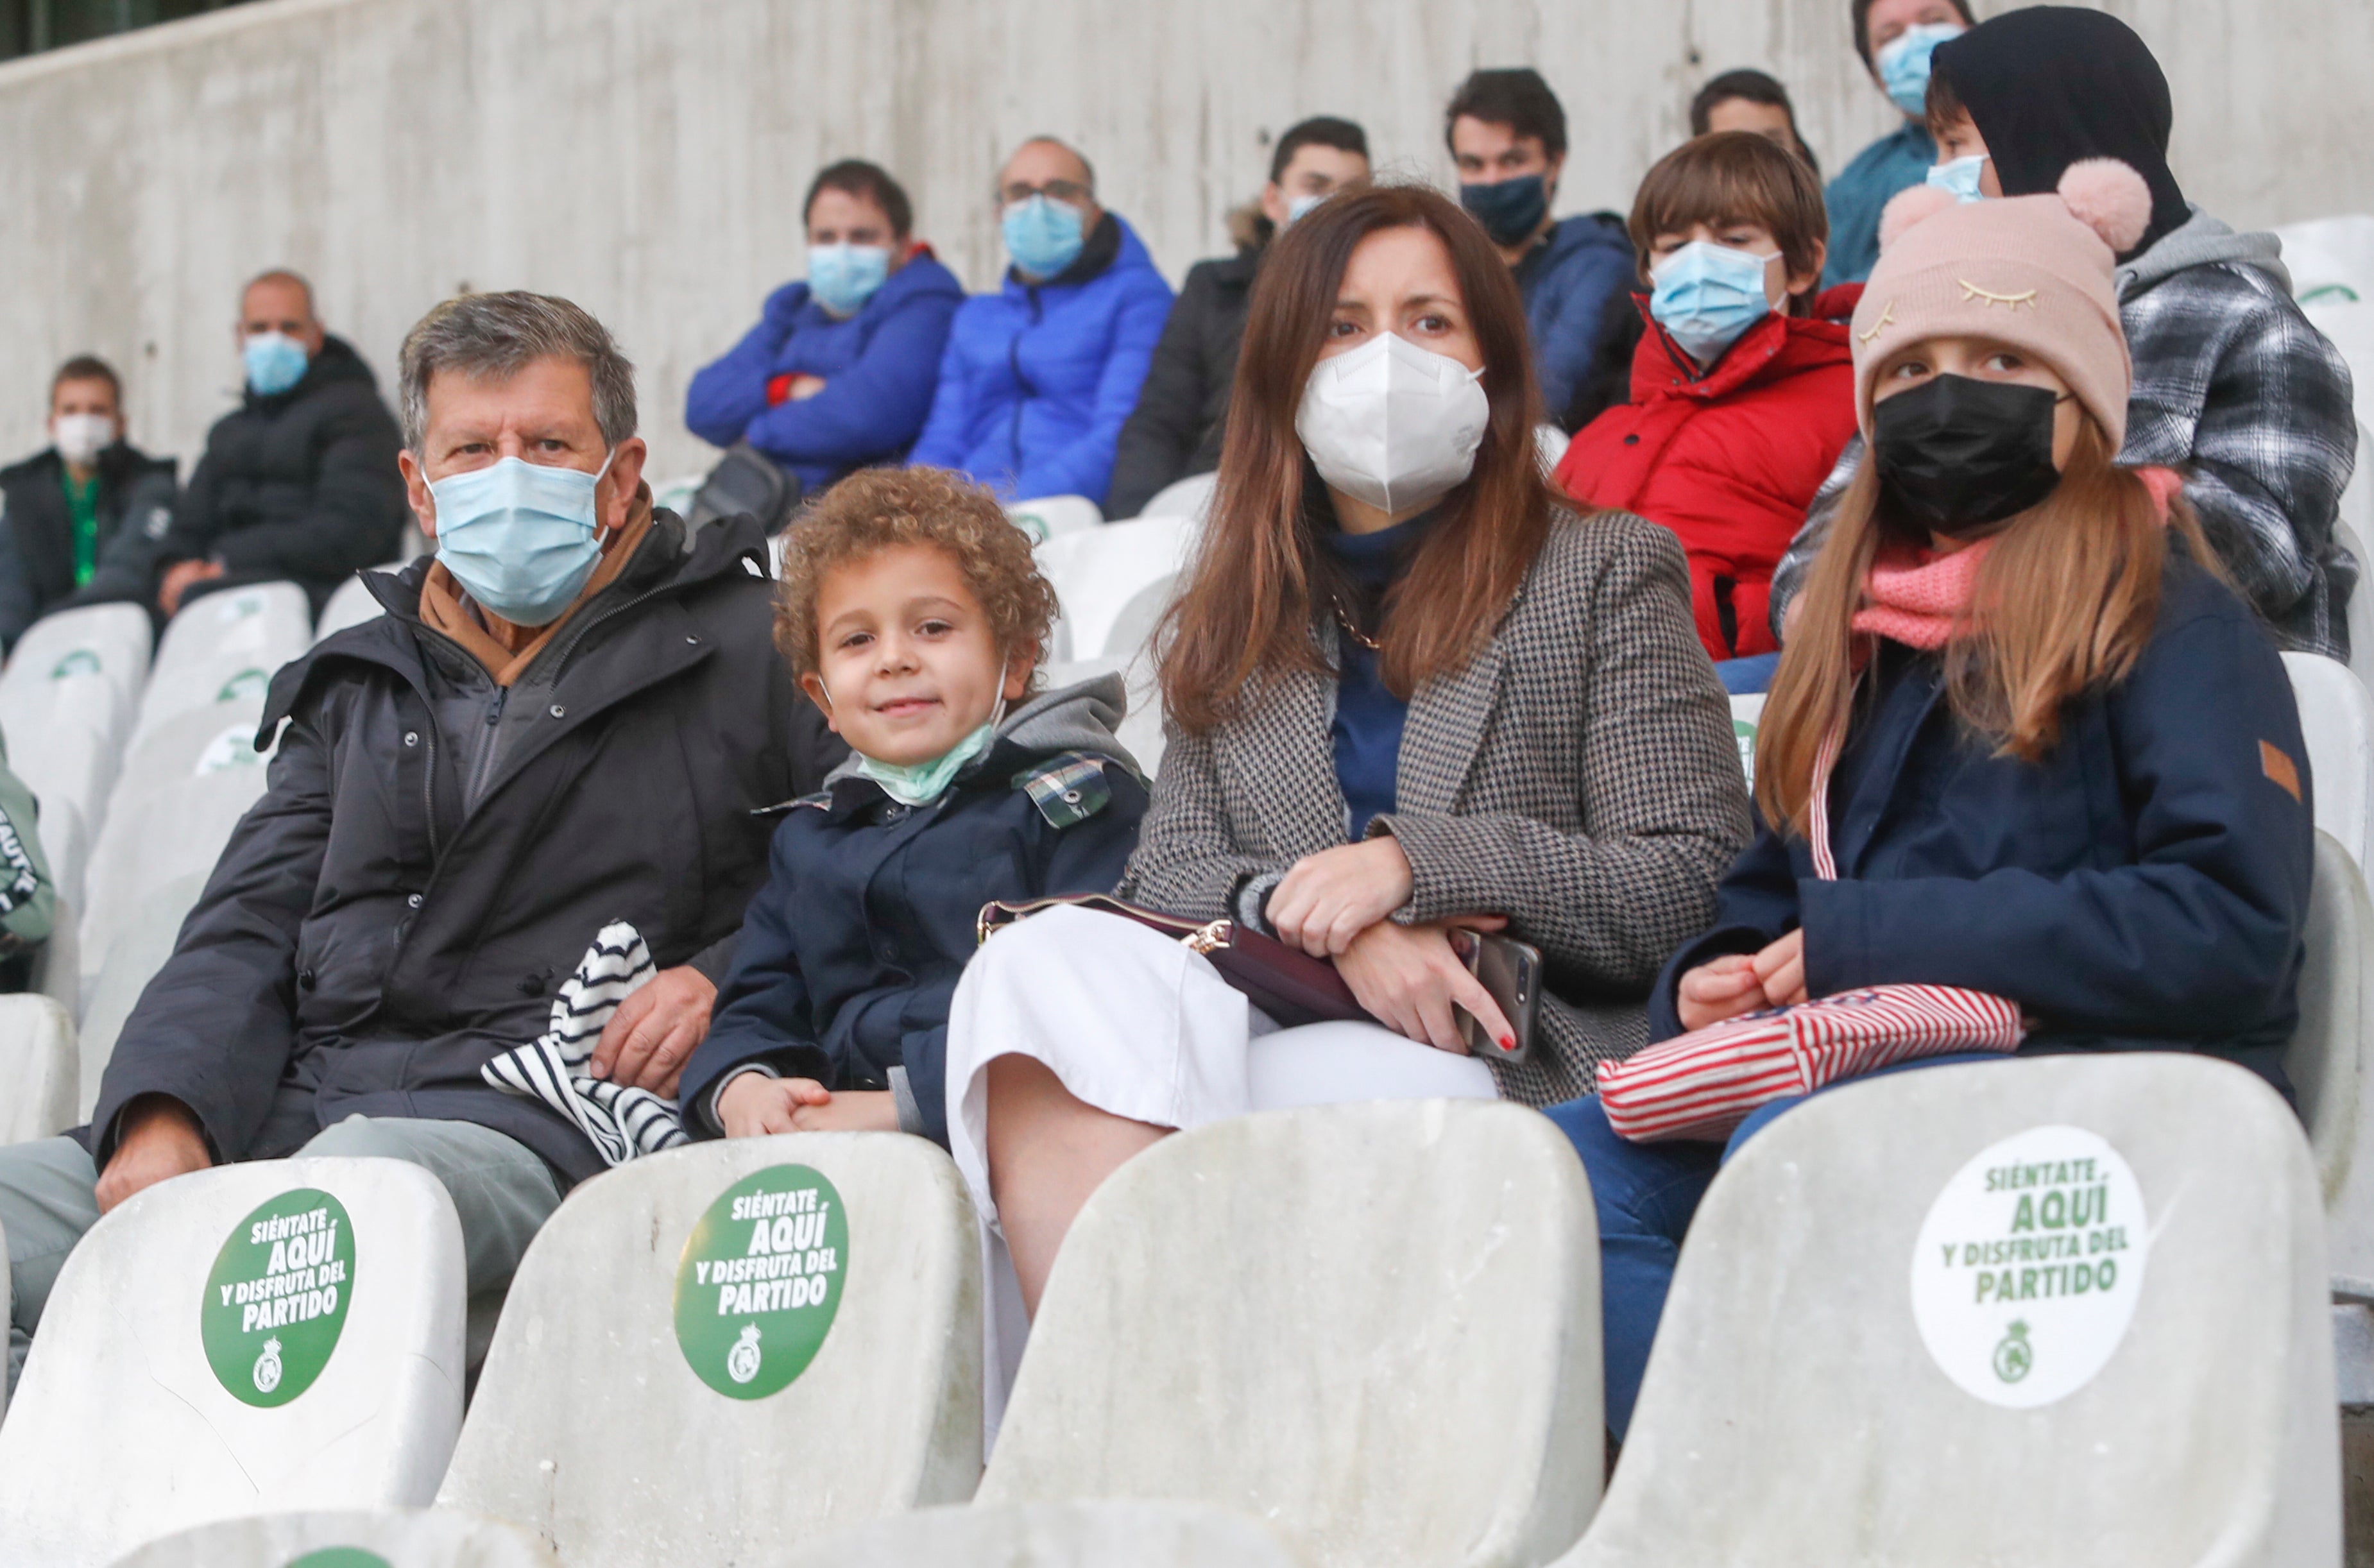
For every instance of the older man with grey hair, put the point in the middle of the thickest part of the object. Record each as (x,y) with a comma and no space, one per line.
(568,716)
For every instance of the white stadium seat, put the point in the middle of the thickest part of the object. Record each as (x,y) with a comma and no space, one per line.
(223,647)
(1374,1328)
(1098,572)
(116,637)
(351,605)
(37,1067)
(1190,498)
(65,845)
(1746,713)
(675,494)
(2330,258)
(1056,1535)
(111,988)
(185,785)
(722,1352)
(57,968)
(1550,442)
(2336,718)
(67,701)
(1141,728)
(2067,1310)
(2350,324)
(2330,1062)
(1046,516)
(279,1334)
(383,1537)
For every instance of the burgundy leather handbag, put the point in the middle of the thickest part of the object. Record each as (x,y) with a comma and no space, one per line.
(1284,982)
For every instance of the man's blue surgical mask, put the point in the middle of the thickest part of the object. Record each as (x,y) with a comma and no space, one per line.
(1301,207)
(1903,63)
(1959,177)
(1706,295)
(1042,235)
(519,536)
(843,277)
(1509,210)
(275,363)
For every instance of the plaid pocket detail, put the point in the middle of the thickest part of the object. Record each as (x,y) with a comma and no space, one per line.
(1067,789)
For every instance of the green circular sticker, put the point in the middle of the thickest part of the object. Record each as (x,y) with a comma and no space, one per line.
(759,1280)
(341,1557)
(277,1301)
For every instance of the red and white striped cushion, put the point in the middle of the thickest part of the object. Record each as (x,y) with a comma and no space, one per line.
(1704,1084)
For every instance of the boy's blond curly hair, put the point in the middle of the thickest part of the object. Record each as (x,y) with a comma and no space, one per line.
(879,509)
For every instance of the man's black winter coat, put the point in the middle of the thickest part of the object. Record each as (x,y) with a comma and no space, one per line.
(301,486)
(36,545)
(370,937)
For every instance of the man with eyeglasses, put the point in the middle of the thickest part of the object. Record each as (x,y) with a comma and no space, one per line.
(1038,378)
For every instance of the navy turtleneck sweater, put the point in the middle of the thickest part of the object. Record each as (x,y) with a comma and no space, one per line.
(1366,732)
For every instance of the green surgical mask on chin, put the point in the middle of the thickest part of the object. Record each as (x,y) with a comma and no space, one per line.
(920,783)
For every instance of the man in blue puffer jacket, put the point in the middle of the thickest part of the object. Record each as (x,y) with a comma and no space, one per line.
(840,370)
(1040,376)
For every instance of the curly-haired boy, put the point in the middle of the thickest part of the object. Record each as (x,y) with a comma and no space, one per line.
(913,615)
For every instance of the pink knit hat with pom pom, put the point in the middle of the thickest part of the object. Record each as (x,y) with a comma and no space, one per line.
(2032,273)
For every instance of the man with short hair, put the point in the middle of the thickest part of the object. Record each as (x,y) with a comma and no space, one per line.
(571,715)
(63,509)
(1895,39)
(298,482)
(1506,134)
(1038,378)
(1184,407)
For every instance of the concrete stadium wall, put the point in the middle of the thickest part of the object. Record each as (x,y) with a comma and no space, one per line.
(646,157)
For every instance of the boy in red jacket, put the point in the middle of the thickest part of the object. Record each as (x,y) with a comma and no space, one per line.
(1742,390)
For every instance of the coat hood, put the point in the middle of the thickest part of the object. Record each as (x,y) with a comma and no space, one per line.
(2203,241)
(1073,718)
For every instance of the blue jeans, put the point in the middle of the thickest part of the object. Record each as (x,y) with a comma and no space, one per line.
(1646,1194)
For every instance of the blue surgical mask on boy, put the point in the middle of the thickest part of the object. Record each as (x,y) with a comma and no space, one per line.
(1042,235)
(519,536)
(842,277)
(1706,295)
(275,363)
(1903,63)
(1959,177)
(920,783)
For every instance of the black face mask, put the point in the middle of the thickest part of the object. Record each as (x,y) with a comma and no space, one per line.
(1509,210)
(1958,455)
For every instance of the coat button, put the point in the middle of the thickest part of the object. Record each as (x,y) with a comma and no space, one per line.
(1072,797)
(413,899)
(692,642)
(305,978)
(532,985)
(1632,441)
(412,737)
(558,711)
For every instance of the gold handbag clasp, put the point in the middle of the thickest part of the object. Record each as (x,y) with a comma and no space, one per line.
(1207,940)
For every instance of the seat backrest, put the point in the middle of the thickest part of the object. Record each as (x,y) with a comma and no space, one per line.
(1549,444)
(2330,257)
(1188,497)
(224,647)
(2331,1063)
(185,785)
(2337,717)
(1044,517)
(1746,713)
(37,1067)
(280,1334)
(1097,572)
(57,968)
(715,1354)
(65,735)
(351,605)
(1141,727)
(2058,1309)
(113,640)
(380,1537)
(1056,1535)
(1133,626)
(109,990)
(65,845)
(1373,1327)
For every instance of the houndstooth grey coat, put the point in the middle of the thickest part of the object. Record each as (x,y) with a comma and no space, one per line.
(1579,776)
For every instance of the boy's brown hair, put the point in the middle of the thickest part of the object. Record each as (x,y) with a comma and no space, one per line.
(881,508)
(1734,177)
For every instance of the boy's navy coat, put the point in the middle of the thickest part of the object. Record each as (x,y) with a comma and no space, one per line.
(849,956)
(2142,888)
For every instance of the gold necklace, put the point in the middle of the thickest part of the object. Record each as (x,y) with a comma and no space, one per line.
(1344,619)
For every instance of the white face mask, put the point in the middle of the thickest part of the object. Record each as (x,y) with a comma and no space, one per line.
(1391,424)
(82,437)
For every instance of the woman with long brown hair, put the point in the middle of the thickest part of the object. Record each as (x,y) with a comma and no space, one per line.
(1407,693)
(2024,739)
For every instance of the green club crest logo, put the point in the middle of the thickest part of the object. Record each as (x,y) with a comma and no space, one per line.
(2012,1357)
(81,661)
(247,683)
(760,1281)
(340,1556)
(1032,524)
(277,1301)
(1745,734)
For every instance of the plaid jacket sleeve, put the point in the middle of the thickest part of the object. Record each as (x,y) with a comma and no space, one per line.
(2236,390)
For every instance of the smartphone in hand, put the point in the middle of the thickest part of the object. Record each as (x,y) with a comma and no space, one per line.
(1511,971)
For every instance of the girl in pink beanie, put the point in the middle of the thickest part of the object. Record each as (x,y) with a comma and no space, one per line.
(2021,740)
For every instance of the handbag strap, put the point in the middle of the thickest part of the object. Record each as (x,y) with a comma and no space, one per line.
(1817,828)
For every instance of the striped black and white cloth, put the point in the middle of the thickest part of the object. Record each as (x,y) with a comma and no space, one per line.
(623,1123)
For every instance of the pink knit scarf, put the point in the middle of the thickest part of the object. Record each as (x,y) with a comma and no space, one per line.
(1922,599)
